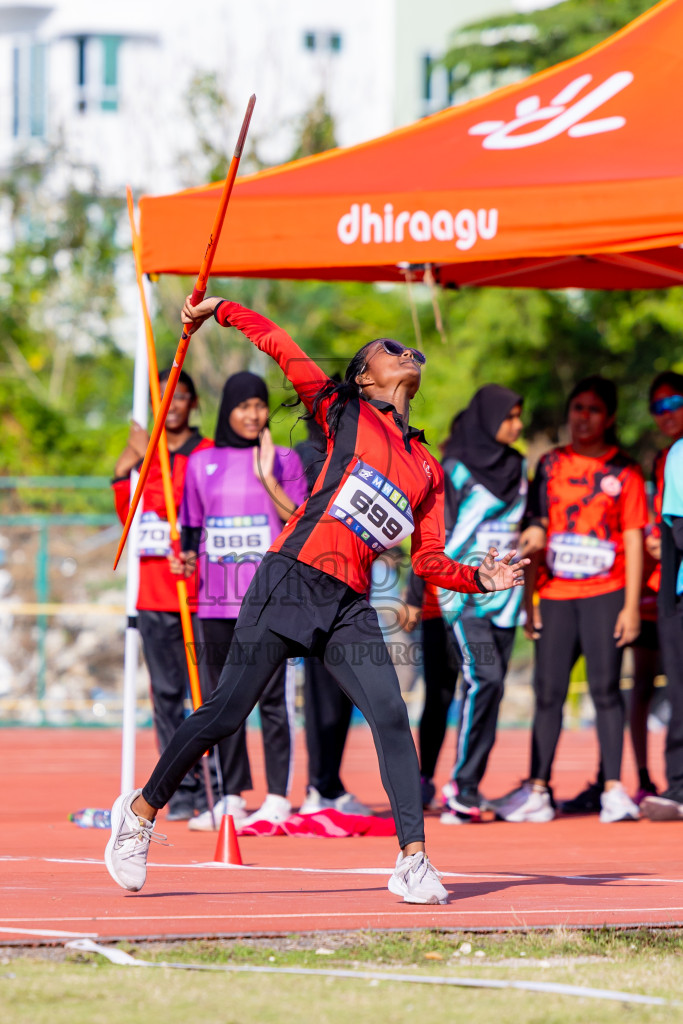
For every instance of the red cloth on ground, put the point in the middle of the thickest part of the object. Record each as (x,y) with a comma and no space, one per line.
(329,824)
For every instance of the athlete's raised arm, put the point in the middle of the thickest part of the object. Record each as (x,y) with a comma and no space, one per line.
(303,373)
(430,561)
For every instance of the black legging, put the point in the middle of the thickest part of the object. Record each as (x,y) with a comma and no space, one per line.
(441,662)
(327,712)
(354,652)
(571,627)
(233,756)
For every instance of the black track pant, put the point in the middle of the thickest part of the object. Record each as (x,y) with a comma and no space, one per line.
(328,716)
(354,652)
(671,645)
(164,649)
(441,661)
(570,628)
(485,649)
(217,636)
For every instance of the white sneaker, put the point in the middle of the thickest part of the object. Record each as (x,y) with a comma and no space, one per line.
(617,805)
(661,808)
(347,803)
(526,804)
(274,809)
(417,880)
(234,805)
(126,852)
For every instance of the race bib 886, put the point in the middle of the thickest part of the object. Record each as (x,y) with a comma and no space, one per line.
(373,508)
(237,538)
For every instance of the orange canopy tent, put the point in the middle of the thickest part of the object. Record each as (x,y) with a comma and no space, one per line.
(570,178)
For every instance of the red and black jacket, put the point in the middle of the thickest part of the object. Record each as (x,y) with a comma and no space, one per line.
(371,449)
(158,586)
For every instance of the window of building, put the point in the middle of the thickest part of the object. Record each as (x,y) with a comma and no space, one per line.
(331,41)
(28,90)
(427,68)
(97,72)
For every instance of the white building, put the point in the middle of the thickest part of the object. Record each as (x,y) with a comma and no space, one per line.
(110,79)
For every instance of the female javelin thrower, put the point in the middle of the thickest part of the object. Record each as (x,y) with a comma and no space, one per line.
(378,486)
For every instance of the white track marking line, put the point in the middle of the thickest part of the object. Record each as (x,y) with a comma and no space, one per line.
(47,933)
(519,914)
(474,876)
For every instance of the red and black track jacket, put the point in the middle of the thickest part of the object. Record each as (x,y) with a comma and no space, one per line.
(158,589)
(376,483)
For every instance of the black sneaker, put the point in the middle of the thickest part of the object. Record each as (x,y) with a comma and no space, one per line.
(460,806)
(585,802)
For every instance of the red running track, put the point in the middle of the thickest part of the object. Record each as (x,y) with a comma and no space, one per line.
(572,871)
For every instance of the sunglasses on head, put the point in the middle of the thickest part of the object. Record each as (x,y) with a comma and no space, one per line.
(394,348)
(668,404)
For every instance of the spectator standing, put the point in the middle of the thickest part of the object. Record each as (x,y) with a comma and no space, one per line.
(488,500)
(588,510)
(237,495)
(157,604)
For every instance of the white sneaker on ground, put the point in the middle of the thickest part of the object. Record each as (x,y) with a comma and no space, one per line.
(617,805)
(234,805)
(347,803)
(274,809)
(417,880)
(447,791)
(526,804)
(661,808)
(126,852)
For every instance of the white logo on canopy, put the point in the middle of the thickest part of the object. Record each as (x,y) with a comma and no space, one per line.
(561,115)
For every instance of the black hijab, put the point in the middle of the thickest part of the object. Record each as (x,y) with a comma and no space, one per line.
(496,466)
(237,389)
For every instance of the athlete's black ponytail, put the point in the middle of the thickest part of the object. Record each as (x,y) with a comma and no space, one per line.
(343,390)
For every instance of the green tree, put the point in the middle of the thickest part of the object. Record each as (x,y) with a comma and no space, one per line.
(517,45)
(63,380)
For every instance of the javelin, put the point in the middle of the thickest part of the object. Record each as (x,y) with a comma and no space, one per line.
(169,499)
(197,295)
(165,461)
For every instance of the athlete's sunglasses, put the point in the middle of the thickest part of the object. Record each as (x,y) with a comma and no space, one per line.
(394,348)
(668,404)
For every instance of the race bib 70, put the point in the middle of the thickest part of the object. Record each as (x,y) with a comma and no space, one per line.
(154,536)
(373,508)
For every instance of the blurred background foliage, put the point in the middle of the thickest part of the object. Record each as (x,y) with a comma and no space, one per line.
(66,385)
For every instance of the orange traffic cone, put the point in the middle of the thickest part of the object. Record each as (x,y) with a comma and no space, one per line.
(227,847)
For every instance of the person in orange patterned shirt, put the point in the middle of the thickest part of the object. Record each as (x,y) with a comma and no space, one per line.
(588,510)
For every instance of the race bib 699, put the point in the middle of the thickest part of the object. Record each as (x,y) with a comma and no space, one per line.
(373,508)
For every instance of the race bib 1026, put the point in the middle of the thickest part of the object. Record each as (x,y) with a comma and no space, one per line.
(154,536)
(373,508)
(575,556)
(237,538)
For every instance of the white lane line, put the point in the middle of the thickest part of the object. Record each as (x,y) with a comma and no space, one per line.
(47,933)
(474,876)
(518,913)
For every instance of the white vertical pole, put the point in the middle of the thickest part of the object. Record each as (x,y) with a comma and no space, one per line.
(132,637)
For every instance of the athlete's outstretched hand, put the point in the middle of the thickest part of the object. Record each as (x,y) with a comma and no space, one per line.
(502,575)
(194,316)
